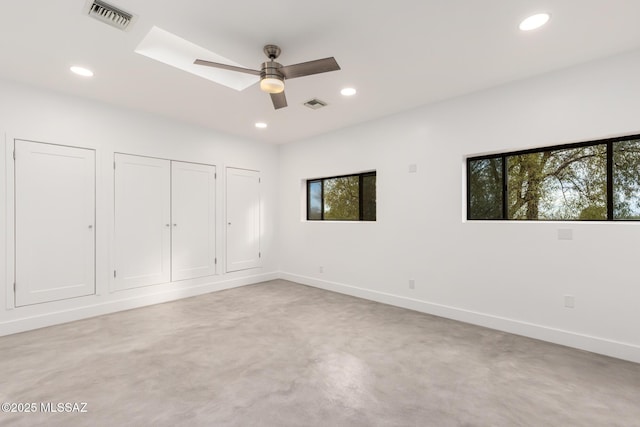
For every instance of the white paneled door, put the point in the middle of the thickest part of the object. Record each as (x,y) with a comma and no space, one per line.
(142,221)
(243,219)
(54,222)
(193,196)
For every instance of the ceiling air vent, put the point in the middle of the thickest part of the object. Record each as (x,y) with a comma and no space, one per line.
(109,14)
(315,103)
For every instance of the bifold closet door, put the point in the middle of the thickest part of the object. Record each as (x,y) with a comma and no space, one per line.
(243,219)
(193,241)
(54,222)
(142,221)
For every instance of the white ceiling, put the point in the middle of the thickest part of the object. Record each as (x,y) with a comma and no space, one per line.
(398,55)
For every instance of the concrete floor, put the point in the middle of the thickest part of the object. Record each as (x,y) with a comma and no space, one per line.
(282,354)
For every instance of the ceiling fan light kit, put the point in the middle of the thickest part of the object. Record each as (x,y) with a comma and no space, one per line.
(272,85)
(273,74)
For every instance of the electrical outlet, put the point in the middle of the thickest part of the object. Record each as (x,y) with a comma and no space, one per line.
(412,284)
(321,269)
(569,301)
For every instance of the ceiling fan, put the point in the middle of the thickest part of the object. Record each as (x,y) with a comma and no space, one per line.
(273,74)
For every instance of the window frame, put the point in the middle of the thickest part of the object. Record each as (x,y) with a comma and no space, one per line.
(609,142)
(360,176)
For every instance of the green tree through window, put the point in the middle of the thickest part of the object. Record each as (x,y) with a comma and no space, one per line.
(342,198)
(485,188)
(598,180)
(626,180)
(565,184)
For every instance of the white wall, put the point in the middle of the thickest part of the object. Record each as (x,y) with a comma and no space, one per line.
(506,275)
(509,276)
(37,115)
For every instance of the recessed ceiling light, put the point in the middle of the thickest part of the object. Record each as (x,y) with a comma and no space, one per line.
(534,21)
(348,91)
(81,71)
(261,125)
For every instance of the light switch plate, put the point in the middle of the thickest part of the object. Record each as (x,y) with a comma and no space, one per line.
(565,234)
(569,301)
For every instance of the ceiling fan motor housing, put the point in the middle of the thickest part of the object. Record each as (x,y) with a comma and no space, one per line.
(270,69)
(271,79)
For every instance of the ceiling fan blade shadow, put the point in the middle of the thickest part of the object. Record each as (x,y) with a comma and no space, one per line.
(279,100)
(226,67)
(308,68)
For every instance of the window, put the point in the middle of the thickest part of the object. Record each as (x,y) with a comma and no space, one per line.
(342,198)
(626,179)
(485,188)
(597,181)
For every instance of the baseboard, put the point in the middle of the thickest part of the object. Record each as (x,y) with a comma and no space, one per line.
(598,345)
(55,318)
(602,346)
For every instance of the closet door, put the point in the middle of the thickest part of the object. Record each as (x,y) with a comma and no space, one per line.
(243,219)
(142,221)
(193,197)
(54,222)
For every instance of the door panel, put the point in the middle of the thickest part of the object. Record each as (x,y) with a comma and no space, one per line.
(193,198)
(142,221)
(54,222)
(243,219)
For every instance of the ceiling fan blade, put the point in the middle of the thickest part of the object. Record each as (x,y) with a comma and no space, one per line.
(309,68)
(226,67)
(279,100)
